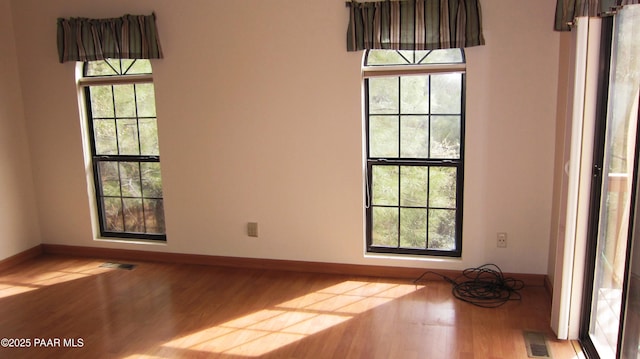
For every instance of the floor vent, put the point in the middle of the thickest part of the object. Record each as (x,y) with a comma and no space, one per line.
(118,265)
(536,345)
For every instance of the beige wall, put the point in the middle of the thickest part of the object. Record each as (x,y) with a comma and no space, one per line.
(260,119)
(18,219)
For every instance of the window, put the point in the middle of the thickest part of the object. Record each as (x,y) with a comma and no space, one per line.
(123,136)
(414,107)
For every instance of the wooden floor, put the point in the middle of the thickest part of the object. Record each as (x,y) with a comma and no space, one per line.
(62,307)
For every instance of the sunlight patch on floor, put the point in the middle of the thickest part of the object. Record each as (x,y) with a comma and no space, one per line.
(12,286)
(269,329)
(8,289)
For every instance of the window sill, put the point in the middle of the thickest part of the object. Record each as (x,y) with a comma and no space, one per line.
(413,257)
(131,241)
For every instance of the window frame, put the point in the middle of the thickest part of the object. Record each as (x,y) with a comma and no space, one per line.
(85,82)
(398,71)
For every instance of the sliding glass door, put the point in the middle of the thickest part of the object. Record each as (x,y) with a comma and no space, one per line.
(614,192)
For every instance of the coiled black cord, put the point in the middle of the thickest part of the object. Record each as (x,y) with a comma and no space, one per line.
(484,286)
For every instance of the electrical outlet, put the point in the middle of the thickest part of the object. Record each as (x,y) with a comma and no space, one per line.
(502,239)
(252,229)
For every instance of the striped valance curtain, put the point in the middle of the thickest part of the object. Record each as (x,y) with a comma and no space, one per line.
(414,24)
(126,37)
(568,10)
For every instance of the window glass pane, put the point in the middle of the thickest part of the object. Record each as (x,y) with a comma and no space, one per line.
(414,93)
(125,65)
(114,67)
(137,67)
(113,220)
(385,227)
(383,136)
(124,100)
(130,179)
(128,137)
(383,95)
(414,138)
(407,57)
(442,187)
(146,100)
(101,102)
(442,229)
(148,137)
(109,178)
(385,185)
(414,57)
(99,68)
(104,132)
(133,215)
(151,181)
(446,93)
(445,137)
(413,186)
(115,64)
(385,57)
(443,56)
(154,215)
(413,228)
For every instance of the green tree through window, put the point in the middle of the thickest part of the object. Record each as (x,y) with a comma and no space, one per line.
(415,151)
(124,145)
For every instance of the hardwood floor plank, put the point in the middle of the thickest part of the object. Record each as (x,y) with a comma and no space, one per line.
(160,310)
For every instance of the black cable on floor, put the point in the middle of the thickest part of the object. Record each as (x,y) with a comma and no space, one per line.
(484,286)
